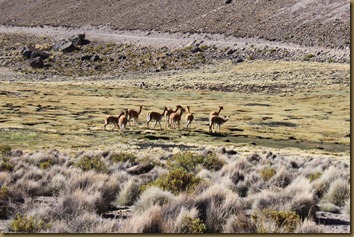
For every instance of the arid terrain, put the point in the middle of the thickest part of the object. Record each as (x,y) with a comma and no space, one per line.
(280,164)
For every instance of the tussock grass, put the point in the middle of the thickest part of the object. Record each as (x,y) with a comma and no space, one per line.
(338,192)
(197,198)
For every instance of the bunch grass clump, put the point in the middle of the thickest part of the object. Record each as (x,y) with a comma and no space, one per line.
(267,173)
(177,181)
(189,161)
(123,157)
(285,221)
(192,225)
(95,163)
(31,224)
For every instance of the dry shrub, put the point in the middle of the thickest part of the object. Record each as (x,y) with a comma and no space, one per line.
(282,178)
(239,223)
(149,221)
(151,197)
(4,176)
(129,194)
(309,227)
(215,205)
(297,197)
(322,184)
(347,207)
(91,190)
(338,192)
(273,221)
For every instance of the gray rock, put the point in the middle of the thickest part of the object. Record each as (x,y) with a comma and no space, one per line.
(31,52)
(79,39)
(36,62)
(65,46)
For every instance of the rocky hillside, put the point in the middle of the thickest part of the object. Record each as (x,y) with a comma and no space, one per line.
(306,22)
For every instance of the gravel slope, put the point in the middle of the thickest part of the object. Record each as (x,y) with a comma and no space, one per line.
(305,22)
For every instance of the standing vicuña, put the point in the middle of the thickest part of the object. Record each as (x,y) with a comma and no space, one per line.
(132,114)
(189,117)
(123,121)
(216,120)
(175,118)
(112,119)
(155,116)
(168,113)
(216,112)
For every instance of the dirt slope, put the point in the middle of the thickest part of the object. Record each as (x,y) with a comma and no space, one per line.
(307,22)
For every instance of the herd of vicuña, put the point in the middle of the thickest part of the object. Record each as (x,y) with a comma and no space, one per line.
(172,117)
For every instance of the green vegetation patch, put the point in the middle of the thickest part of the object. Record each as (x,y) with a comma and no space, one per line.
(176,181)
(287,221)
(189,161)
(88,163)
(268,173)
(192,225)
(31,224)
(122,157)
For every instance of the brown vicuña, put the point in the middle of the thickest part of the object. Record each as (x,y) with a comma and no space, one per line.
(155,116)
(175,118)
(132,114)
(189,117)
(216,120)
(123,120)
(112,119)
(168,113)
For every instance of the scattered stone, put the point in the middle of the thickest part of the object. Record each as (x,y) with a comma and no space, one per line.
(196,49)
(228,1)
(95,58)
(86,57)
(36,62)
(237,60)
(31,52)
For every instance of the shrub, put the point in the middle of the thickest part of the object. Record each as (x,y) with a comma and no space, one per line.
(286,221)
(6,166)
(177,181)
(189,161)
(5,150)
(96,163)
(267,173)
(4,193)
(309,227)
(314,176)
(338,192)
(122,157)
(129,193)
(46,164)
(152,196)
(192,225)
(239,224)
(27,224)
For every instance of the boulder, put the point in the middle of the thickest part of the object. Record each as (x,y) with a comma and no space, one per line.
(65,46)
(36,62)
(79,39)
(31,52)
